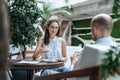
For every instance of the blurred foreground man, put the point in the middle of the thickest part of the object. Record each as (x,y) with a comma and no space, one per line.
(101,27)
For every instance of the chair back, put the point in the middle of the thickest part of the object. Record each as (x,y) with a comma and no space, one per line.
(15,53)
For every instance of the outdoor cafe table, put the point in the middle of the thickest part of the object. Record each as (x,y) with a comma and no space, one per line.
(32,67)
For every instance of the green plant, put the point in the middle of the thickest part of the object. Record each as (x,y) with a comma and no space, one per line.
(111,63)
(47,13)
(22,16)
(116,11)
(116,8)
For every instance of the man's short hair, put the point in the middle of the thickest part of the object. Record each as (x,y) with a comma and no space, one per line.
(103,22)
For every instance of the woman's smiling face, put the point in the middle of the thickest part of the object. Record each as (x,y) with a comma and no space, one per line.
(53,29)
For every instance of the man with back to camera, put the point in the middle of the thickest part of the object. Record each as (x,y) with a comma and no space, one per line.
(101,27)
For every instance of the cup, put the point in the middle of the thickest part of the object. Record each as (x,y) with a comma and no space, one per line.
(52,58)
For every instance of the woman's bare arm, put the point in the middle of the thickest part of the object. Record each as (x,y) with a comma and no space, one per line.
(39,49)
(63,51)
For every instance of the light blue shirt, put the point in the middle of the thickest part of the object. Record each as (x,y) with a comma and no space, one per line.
(107,41)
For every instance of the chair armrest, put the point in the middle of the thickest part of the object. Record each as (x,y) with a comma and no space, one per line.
(92,72)
(10,54)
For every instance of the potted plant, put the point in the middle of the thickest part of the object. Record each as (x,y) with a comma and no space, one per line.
(22,16)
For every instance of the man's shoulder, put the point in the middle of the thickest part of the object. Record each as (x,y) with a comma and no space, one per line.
(96,47)
(107,41)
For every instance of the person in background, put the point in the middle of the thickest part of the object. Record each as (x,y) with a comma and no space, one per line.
(52,46)
(101,27)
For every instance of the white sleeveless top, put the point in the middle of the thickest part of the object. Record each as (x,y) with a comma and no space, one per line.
(54,47)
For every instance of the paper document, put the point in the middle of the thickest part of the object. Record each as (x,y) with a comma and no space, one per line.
(28,62)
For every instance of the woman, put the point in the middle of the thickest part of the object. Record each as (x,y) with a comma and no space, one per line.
(52,46)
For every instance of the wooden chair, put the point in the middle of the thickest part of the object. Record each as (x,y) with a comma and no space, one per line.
(92,72)
(15,56)
(10,55)
(8,71)
(29,54)
(9,75)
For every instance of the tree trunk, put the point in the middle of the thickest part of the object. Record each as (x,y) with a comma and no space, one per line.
(3,39)
(23,52)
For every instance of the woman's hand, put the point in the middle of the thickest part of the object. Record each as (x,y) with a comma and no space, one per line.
(39,57)
(43,51)
(36,55)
